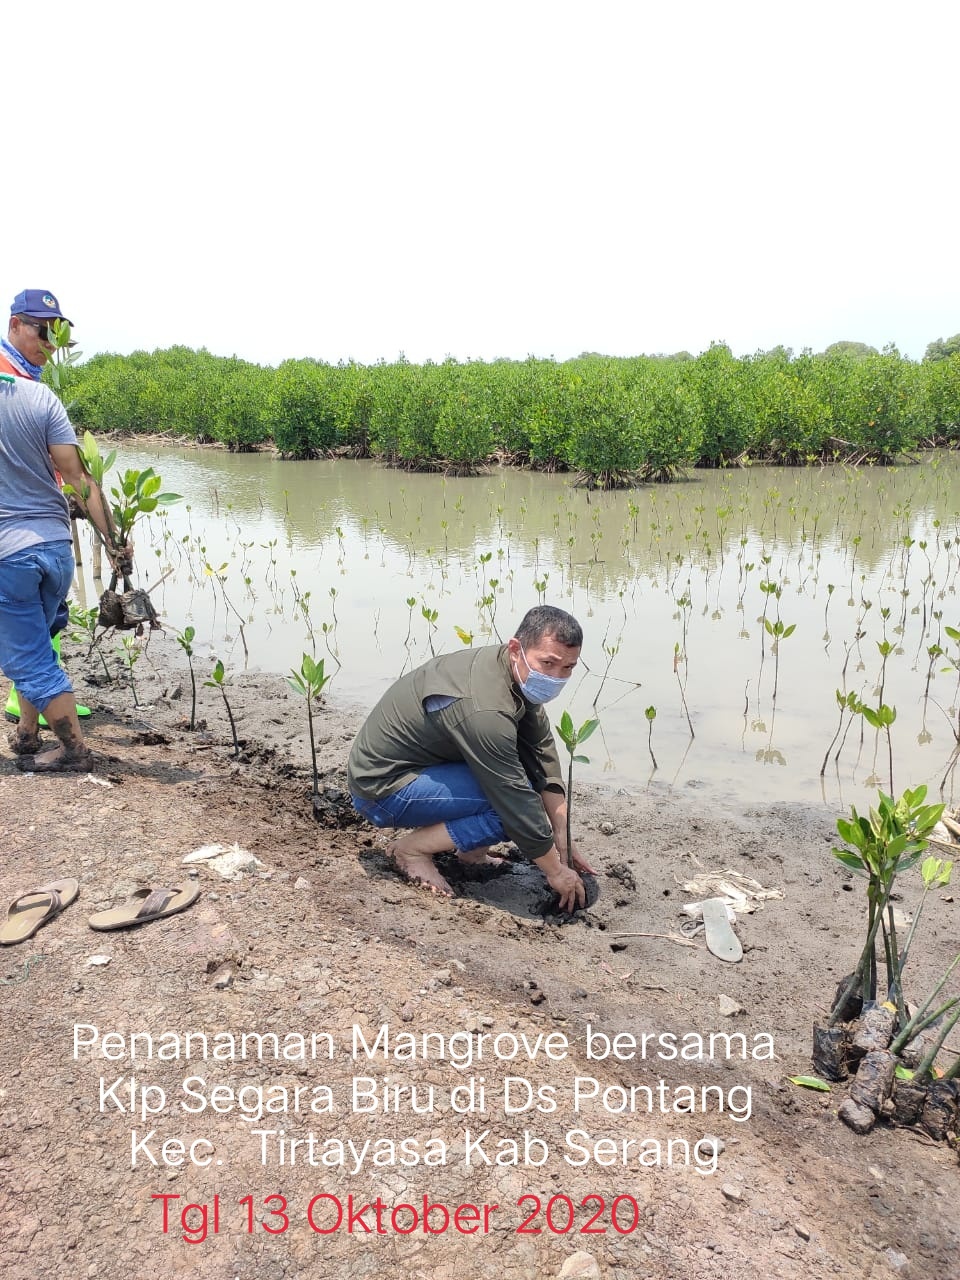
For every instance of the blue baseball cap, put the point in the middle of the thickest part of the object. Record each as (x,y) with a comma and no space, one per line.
(39,304)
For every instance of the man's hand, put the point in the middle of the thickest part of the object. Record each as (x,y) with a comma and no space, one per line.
(121,558)
(569,886)
(563,880)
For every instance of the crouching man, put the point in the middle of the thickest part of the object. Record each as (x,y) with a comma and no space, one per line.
(461,751)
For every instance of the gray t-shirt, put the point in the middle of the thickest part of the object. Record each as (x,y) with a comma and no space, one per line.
(32,508)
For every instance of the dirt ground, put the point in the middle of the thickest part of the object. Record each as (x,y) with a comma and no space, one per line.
(326,938)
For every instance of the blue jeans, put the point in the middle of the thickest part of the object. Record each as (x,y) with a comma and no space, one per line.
(33,585)
(447,793)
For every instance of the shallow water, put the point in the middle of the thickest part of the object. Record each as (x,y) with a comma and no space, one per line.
(269,559)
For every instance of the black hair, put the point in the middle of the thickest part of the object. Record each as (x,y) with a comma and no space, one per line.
(545,620)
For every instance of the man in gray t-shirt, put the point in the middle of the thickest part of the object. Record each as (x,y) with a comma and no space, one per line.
(36,564)
(23,353)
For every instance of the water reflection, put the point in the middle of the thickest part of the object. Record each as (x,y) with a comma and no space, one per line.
(742,600)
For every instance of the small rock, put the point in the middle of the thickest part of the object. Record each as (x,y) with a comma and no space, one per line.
(728,1007)
(224,976)
(442,976)
(406,1013)
(536,996)
(856,1117)
(606,828)
(896,1260)
(301,883)
(580,1266)
(801,1231)
(710,1144)
(732,1193)
(99,960)
(486,1021)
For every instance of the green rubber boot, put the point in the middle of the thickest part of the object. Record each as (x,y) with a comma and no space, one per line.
(12,709)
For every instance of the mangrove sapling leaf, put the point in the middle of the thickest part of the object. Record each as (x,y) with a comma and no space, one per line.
(810,1082)
(572,738)
(185,641)
(309,682)
(218,680)
(93,460)
(63,355)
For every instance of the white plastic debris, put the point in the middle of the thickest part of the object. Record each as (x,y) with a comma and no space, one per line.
(738,891)
(695,911)
(229,861)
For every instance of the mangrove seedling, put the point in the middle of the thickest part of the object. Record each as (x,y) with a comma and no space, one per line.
(430,618)
(880,847)
(777,631)
(129,655)
(679,657)
(572,739)
(218,680)
(86,621)
(651,715)
(882,718)
(185,641)
(309,682)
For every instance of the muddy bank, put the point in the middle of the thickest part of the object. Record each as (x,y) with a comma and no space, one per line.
(325,939)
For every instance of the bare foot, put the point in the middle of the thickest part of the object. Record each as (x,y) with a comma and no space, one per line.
(419,868)
(480,858)
(57,760)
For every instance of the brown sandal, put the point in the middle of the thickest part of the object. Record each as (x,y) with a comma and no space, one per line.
(148,904)
(27,913)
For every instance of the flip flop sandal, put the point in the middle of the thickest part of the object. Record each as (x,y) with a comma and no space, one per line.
(721,939)
(145,905)
(26,914)
(82,763)
(22,745)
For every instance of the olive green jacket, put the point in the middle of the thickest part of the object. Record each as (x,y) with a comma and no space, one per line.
(506,742)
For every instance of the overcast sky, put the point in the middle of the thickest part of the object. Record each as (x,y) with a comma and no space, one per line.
(356,179)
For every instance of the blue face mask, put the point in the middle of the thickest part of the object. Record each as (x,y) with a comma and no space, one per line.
(539,687)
